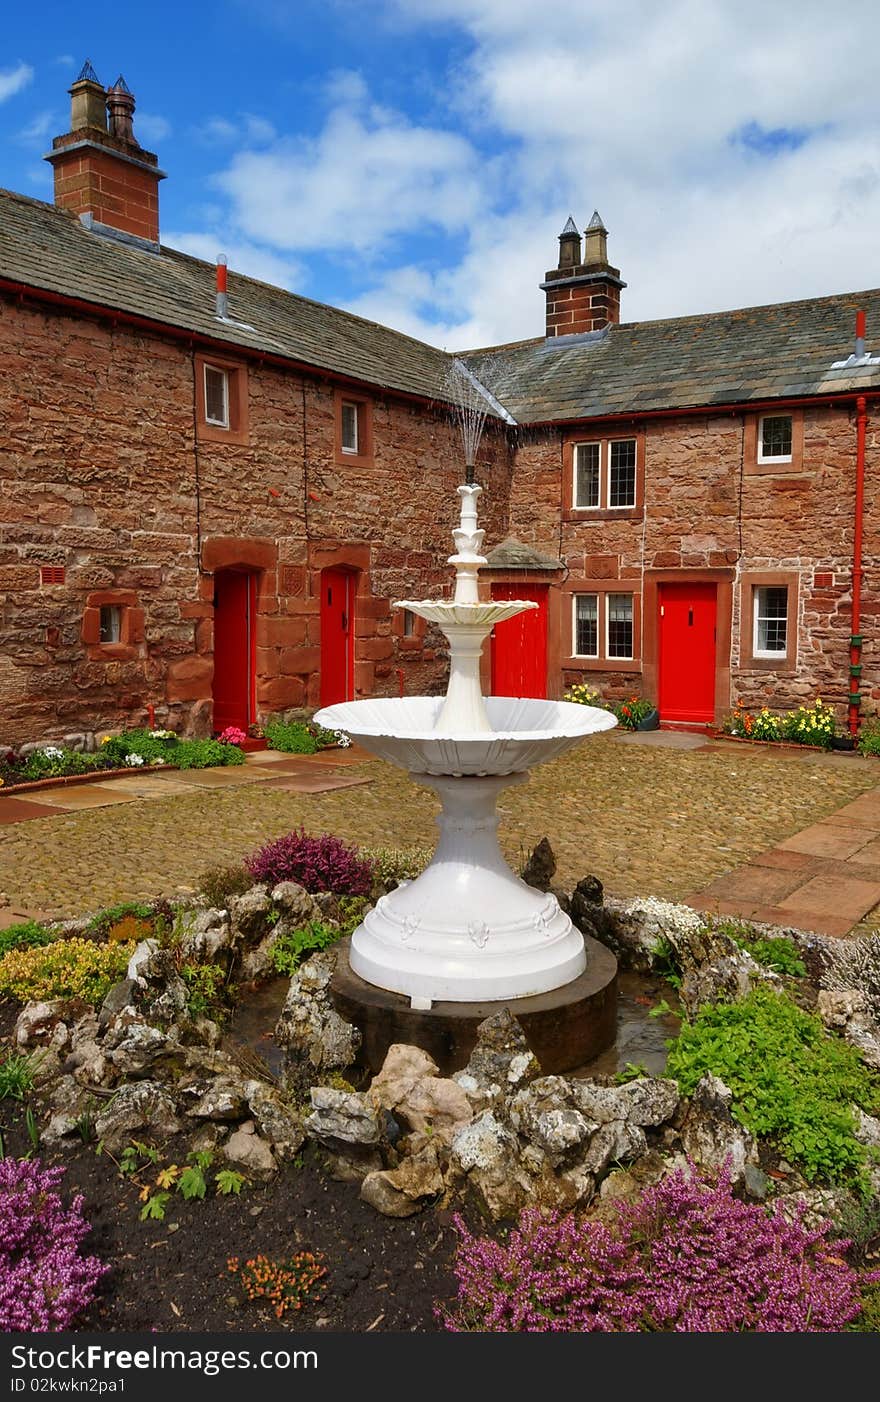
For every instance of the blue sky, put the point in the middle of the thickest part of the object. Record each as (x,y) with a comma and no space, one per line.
(414,160)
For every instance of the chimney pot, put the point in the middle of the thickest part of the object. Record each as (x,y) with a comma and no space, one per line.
(87,101)
(583,293)
(569,245)
(120,105)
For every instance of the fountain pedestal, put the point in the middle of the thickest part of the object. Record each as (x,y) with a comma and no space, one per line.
(468,929)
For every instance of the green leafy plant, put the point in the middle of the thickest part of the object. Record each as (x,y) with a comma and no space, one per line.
(192,1182)
(74,968)
(134,1156)
(154,1207)
(27,934)
(293,946)
(291,737)
(584,695)
(665,962)
(779,954)
(206,986)
(632,1071)
(129,920)
(219,885)
(810,725)
(791,1082)
(32,1129)
(227,1181)
(351,912)
(16,1076)
(869,738)
(632,710)
(391,865)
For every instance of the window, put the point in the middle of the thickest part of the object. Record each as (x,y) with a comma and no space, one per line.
(771,621)
(221,399)
(603,626)
(604,476)
(111,623)
(349,426)
(409,623)
(768,626)
(774,443)
(775,438)
(619,616)
(216,397)
(354,429)
(586,625)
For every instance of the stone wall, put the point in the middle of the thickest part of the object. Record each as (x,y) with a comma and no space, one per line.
(101,474)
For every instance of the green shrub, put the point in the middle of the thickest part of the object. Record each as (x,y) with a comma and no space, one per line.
(206,754)
(28,934)
(75,968)
(220,884)
(869,739)
(791,1082)
(293,737)
(391,865)
(125,922)
(55,762)
(351,912)
(205,985)
(583,695)
(777,953)
(291,948)
(151,746)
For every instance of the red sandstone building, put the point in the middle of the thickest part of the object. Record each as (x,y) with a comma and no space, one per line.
(208,505)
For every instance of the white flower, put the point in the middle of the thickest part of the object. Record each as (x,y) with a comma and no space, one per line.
(134,760)
(52,752)
(343,740)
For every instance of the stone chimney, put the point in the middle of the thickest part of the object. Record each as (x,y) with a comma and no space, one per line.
(582,294)
(101,173)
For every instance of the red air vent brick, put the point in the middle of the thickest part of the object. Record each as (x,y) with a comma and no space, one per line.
(823,579)
(51,574)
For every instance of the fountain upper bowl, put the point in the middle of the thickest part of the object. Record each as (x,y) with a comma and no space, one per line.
(523,732)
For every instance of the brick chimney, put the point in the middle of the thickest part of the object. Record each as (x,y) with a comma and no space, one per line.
(583,293)
(101,173)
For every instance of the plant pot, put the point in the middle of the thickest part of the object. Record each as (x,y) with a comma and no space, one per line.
(649,722)
(843,742)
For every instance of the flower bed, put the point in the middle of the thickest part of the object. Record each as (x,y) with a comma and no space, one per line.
(807,725)
(133,750)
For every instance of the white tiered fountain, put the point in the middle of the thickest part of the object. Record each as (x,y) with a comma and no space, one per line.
(467,930)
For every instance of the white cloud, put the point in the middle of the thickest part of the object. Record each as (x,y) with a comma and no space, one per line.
(37,129)
(242,257)
(151,127)
(246,130)
(12,80)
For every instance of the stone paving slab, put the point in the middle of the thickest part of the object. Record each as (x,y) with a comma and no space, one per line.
(828,840)
(19,810)
(221,778)
(80,796)
(315,783)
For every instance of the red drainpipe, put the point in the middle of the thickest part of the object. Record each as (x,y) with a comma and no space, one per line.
(855,642)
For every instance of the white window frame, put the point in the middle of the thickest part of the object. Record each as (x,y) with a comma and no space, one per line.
(604,445)
(346,448)
(217,370)
(773,457)
(774,654)
(585,594)
(620,594)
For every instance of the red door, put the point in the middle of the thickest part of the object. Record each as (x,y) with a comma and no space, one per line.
(687,651)
(337,636)
(234,651)
(519,645)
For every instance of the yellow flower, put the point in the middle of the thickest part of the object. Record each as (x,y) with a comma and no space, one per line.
(106,740)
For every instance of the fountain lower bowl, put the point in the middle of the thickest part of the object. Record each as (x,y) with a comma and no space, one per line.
(523,732)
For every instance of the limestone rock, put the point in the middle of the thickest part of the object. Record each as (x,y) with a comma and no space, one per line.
(138,1110)
(540,868)
(710,1135)
(120,996)
(627,1184)
(296,904)
(313,1034)
(140,960)
(256,962)
(813,1206)
(402,1191)
(37,1021)
(249,913)
(500,1062)
(421,1100)
(847,1011)
(220,1099)
(135,1053)
(867,1129)
(723,979)
(485,1152)
(248,1153)
(208,933)
(614,1143)
(342,1117)
(275,1119)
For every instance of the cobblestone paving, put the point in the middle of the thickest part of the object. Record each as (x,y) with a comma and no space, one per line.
(648,819)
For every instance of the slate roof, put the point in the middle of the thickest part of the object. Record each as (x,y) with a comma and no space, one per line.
(46,248)
(784,350)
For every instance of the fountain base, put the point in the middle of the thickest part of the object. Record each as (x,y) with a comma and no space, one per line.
(565,1028)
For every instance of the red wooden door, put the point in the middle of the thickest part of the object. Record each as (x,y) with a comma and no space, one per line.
(337,636)
(234,653)
(687,651)
(519,645)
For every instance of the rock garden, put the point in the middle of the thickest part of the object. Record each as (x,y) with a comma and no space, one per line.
(160,1171)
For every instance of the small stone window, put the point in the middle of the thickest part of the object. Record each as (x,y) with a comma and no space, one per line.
(775,438)
(216,396)
(770,621)
(604,478)
(111,623)
(354,428)
(605,628)
(768,640)
(409,623)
